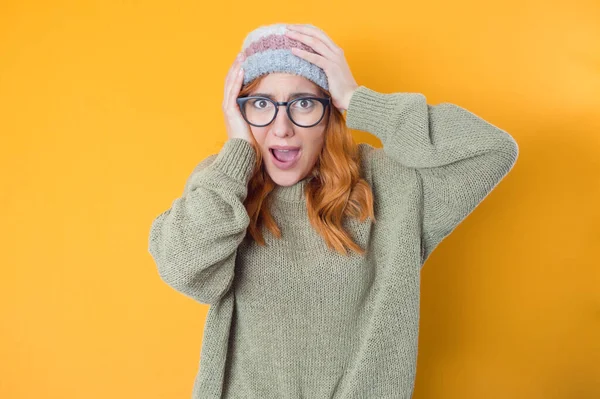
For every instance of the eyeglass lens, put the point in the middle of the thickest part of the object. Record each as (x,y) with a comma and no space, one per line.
(303,111)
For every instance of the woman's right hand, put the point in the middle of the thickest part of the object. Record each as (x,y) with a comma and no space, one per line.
(236,125)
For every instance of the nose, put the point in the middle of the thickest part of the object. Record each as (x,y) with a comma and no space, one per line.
(282,125)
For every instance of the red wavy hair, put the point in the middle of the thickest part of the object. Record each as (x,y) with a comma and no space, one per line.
(336,190)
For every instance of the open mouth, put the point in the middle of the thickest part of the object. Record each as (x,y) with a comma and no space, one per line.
(284,159)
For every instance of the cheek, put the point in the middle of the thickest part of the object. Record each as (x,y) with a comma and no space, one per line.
(260,135)
(313,150)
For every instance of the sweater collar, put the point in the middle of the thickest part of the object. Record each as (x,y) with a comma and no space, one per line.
(293,193)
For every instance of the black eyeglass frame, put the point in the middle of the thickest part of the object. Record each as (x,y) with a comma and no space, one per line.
(242,100)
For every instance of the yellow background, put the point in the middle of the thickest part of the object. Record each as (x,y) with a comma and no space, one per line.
(107,106)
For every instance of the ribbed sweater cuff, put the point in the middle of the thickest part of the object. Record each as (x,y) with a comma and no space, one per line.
(236,160)
(374,112)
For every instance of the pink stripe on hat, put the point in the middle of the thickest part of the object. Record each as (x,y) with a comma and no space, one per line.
(273,42)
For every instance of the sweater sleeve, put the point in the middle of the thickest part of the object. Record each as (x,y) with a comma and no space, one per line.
(194,242)
(458,157)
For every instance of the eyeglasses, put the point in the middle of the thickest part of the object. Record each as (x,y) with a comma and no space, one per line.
(303,111)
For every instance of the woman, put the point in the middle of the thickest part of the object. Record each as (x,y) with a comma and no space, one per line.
(310,258)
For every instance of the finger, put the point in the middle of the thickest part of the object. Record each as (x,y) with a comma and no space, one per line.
(313,42)
(316,59)
(227,88)
(312,31)
(235,89)
(233,71)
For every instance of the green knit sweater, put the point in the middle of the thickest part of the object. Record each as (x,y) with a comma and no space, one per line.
(296,319)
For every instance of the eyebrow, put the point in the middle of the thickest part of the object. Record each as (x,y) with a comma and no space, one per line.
(292,95)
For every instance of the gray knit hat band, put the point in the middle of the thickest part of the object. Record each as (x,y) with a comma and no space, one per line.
(268,50)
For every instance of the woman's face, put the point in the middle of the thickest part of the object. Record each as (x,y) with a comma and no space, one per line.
(283,132)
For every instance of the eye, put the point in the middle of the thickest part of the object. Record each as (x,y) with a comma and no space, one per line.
(260,103)
(304,103)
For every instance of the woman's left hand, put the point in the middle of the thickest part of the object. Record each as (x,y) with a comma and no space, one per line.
(330,58)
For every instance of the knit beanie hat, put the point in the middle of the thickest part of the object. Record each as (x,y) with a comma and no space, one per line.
(267,50)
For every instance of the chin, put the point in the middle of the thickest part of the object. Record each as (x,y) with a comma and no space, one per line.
(284,177)
(285,180)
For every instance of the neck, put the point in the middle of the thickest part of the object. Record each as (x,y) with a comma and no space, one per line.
(294,193)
